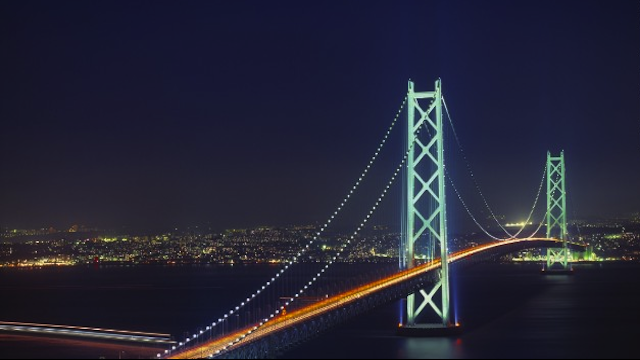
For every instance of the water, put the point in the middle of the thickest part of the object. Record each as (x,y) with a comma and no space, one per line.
(507,310)
(511,311)
(162,299)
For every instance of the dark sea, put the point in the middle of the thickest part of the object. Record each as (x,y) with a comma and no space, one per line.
(506,310)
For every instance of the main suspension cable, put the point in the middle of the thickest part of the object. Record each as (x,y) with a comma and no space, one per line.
(477,186)
(306,247)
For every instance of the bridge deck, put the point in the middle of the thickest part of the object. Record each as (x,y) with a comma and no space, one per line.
(276,324)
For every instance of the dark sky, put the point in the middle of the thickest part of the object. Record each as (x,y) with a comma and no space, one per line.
(239,113)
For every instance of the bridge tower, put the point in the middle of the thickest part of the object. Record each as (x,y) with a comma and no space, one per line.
(425,209)
(557,212)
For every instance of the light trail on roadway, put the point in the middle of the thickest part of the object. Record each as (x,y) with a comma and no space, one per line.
(85,332)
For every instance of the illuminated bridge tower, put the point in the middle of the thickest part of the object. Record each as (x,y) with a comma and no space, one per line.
(425,210)
(557,213)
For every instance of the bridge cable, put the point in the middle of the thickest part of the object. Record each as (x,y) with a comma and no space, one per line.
(335,257)
(514,236)
(539,226)
(477,186)
(544,173)
(294,260)
(468,165)
(464,204)
(453,186)
(575,218)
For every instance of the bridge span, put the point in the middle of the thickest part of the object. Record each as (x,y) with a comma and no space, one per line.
(283,331)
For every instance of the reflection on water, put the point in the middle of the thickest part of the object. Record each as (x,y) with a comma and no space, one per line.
(431,348)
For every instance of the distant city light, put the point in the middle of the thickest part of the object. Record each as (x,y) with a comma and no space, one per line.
(519,224)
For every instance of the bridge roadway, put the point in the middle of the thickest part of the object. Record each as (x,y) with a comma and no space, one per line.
(297,317)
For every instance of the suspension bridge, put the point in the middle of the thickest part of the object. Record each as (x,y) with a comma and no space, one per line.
(303,298)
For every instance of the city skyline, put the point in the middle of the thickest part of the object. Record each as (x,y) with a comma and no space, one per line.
(165,115)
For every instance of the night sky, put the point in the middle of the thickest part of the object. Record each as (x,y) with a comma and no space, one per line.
(154,114)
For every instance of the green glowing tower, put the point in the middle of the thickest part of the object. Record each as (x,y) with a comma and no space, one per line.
(425,208)
(557,212)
